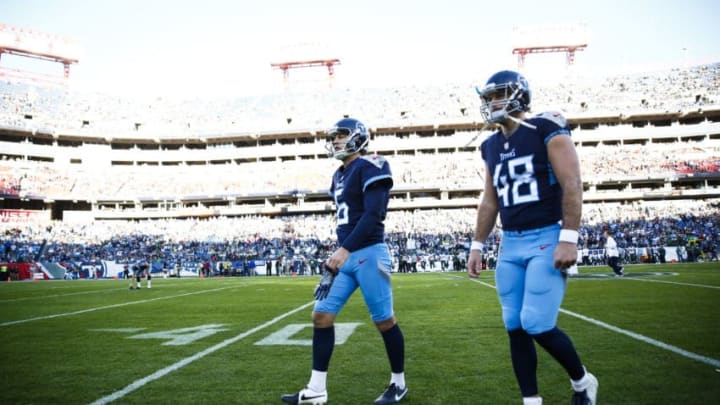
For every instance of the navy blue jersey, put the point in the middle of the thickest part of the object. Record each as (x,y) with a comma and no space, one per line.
(529,195)
(349,185)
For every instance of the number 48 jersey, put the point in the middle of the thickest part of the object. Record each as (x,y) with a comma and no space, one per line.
(529,195)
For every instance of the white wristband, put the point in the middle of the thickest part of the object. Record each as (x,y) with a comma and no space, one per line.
(568,235)
(475,245)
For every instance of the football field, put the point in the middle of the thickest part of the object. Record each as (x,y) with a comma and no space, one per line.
(652,337)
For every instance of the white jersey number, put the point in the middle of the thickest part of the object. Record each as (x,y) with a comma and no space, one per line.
(342,209)
(519,178)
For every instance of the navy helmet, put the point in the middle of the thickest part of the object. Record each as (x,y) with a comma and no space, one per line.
(358,138)
(514,93)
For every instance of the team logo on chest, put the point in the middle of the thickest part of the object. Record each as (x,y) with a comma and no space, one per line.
(507,155)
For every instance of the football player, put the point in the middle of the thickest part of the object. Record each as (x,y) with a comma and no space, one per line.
(142,269)
(148,275)
(135,277)
(361,190)
(532,179)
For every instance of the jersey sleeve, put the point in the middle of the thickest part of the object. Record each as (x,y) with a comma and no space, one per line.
(376,173)
(550,124)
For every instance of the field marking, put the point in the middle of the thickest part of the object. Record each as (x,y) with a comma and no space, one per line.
(637,336)
(184,362)
(83,311)
(674,282)
(118,330)
(57,295)
(284,337)
(643,338)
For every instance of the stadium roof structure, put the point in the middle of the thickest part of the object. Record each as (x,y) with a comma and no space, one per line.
(35,44)
(295,64)
(568,38)
(568,49)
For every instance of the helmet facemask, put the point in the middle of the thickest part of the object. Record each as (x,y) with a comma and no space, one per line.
(357,141)
(497,109)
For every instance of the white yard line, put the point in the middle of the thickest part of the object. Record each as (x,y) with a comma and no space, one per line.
(42,297)
(642,338)
(650,280)
(184,362)
(84,311)
(645,339)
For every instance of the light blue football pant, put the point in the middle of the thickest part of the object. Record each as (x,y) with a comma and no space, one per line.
(530,288)
(369,269)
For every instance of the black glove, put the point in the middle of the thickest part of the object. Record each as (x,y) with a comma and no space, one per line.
(326,281)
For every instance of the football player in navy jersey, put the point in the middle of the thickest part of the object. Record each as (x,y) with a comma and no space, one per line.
(532,179)
(361,191)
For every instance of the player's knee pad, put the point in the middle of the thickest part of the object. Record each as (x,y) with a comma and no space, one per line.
(381,310)
(511,319)
(536,322)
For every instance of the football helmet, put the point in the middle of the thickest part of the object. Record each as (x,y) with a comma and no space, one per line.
(357,134)
(514,96)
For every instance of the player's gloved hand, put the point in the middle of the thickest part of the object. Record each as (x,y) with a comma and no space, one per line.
(326,280)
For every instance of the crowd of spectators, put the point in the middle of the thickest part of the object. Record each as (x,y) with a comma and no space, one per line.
(63,110)
(599,163)
(418,236)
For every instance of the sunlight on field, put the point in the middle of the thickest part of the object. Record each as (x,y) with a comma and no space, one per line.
(194,341)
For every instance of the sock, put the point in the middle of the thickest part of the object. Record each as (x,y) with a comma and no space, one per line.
(398,379)
(581,384)
(322,347)
(558,344)
(318,381)
(532,401)
(524,361)
(395,348)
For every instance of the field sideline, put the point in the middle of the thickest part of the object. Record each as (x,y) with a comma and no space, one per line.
(650,338)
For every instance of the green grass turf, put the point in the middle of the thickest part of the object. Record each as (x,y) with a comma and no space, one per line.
(70,342)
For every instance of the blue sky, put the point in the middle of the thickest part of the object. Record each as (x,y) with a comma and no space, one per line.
(224,47)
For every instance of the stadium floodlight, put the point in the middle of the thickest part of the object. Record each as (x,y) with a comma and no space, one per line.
(568,38)
(30,43)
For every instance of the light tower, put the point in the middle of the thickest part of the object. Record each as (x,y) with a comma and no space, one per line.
(568,38)
(308,56)
(34,44)
(295,64)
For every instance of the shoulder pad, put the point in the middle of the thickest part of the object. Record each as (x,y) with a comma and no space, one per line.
(555,116)
(377,160)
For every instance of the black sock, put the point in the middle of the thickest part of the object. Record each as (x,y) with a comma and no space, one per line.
(323,345)
(395,347)
(524,361)
(558,344)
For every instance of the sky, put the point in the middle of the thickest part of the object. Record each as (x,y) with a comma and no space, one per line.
(223,48)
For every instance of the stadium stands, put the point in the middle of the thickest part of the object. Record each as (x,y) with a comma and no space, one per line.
(249,174)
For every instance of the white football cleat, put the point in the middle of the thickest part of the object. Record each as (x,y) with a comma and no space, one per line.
(588,396)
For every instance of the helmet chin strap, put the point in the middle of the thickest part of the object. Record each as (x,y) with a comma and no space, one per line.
(522,122)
